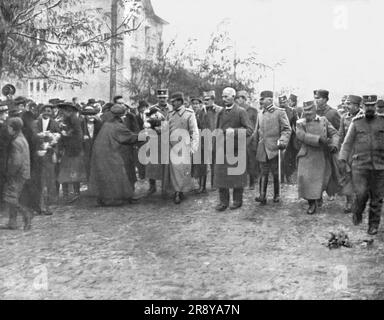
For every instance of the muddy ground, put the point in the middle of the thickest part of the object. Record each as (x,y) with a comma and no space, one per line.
(157,250)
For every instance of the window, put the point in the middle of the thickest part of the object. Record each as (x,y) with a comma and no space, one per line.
(38,86)
(31,86)
(45,87)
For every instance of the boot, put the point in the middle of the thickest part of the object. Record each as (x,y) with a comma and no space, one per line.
(177,198)
(373,230)
(251,182)
(212,181)
(203,184)
(237,198)
(12,222)
(27,219)
(276,189)
(312,207)
(263,190)
(348,205)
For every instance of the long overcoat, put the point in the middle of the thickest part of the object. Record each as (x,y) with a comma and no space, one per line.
(109,179)
(179,176)
(252,164)
(235,118)
(314,164)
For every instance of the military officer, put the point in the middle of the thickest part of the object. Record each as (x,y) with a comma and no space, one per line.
(324,110)
(289,158)
(155,116)
(318,137)
(352,103)
(342,108)
(252,165)
(180,120)
(365,141)
(272,133)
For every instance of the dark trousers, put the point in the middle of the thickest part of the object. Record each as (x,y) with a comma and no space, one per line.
(368,184)
(76,188)
(237,196)
(271,165)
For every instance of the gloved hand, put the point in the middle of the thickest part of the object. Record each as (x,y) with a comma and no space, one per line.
(342,166)
(281,146)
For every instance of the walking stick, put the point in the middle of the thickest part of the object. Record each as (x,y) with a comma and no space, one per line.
(279,160)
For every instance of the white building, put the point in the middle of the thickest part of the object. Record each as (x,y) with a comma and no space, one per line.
(142,43)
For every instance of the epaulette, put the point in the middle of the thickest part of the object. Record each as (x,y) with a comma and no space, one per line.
(302,120)
(189,109)
(358,117)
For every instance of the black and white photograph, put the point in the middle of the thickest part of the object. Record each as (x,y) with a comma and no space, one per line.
(191,150)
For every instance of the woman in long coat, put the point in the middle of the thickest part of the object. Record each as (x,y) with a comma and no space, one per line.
(319,139)
(109,180)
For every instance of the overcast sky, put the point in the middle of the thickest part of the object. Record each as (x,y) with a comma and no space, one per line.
(330,44)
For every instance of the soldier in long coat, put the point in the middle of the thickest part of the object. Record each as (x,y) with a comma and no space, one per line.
(289,157)
(252,164)
(365,140)
(109,181)
(181,120)
(272,134)
(318,137)
(155,116)
(230,120)
(353,105)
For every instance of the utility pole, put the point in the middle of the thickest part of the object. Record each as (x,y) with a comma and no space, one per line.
(113,81)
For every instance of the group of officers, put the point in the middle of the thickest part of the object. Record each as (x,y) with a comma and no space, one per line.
(334,150)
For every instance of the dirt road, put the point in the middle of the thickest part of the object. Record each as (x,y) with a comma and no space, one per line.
(157,250)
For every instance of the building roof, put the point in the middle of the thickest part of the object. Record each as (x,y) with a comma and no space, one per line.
(150,12)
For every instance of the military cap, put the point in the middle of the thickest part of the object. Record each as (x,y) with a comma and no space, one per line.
(177,96)
(380,103)
(91,101)
(293,98)
(266,94)
(369,99)
(283,99)
(55,101)
(89,111)
(309,105)
(209,94)
(15,123)
(242,94)
(162,93)
(68,105)
(197,99)
(354,99)
(8,89)
(118,110)
(321,93)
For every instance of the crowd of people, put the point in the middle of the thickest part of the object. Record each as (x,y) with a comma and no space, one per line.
(64,145)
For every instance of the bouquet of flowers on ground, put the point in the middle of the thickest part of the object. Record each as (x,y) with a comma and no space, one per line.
(48,140)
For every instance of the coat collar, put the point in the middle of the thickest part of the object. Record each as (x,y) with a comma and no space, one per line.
(180,111)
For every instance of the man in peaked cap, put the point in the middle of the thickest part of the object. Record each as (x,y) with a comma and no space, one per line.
(353,107)
(272,134)
(289,155)
(181,119)
(317,137)
(342,108)
(252,164)
(231,120)
(365,142)
(324,110)
(156,116)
